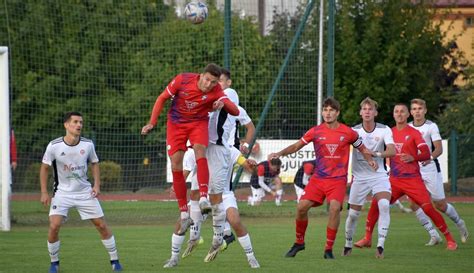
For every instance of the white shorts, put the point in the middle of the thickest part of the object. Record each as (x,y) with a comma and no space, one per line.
(299,192)
(434,184)
(218,161)
(87,206)
(257,194)
(229,201)
(361,188)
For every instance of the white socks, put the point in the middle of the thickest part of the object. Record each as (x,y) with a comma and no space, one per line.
(351,224)
(426,222)
(111,247)
(384,221)
(452,213)
(218,221)
(196,216)
(246,245)
(53,249)
(176,243)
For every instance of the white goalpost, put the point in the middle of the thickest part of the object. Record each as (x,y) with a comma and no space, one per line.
(5,170)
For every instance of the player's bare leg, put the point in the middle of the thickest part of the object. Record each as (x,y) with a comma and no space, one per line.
(55,222)
(108,240)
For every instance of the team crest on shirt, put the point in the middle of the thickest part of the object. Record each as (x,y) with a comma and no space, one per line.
(398,147)
(407,138)
(82,152)
(341,138)
(204,97)
(332,148)
(190,104)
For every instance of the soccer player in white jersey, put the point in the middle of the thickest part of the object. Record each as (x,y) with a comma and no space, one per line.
(431,174)
(230,207)
(379,141)
(69,156)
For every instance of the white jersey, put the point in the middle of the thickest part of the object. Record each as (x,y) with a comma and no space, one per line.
(244,119)
(430,133)
(189,162)
(70,165)
(374,141)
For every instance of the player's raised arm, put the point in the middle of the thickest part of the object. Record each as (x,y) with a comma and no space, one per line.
(293,148)
(228,106)
(157,108)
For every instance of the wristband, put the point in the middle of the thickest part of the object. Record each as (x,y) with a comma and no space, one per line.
(431,157)
(246,145)
(378,154)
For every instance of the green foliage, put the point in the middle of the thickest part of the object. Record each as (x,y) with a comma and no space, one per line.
(111,178)
(31,181)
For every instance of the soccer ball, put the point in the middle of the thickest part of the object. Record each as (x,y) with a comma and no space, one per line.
(195,12)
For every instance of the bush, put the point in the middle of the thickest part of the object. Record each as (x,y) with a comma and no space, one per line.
(110,176)
(31,181)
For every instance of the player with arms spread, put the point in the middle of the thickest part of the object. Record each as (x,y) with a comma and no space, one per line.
(193,97)
(69,156)
(331,141)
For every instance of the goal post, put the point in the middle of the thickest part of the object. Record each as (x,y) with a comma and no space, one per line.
(5,170)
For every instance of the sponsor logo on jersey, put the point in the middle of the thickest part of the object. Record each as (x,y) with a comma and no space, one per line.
(332,148)
(72,168)
(398,147)
(190,104)
(62,154)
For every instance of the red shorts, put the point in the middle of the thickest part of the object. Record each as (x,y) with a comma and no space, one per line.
(177,134)
(413,187)
(319,189)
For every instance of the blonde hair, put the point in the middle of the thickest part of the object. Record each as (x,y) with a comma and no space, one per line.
(419,102)
(370,102)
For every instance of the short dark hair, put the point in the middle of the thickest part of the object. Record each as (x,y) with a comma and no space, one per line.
(213,69)
(68,116)
(275,162)
(226,72)
(333,103)
(402,104)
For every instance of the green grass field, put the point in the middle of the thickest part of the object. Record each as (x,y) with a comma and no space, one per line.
(145,247)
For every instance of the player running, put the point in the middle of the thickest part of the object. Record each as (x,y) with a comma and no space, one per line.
(405,176)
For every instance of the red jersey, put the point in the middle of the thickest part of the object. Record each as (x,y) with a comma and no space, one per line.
(332,147)
(407,141)
(189,103)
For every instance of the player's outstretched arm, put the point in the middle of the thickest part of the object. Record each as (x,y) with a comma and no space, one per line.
(293,148)
(230,107)
(45,200)
(157,108)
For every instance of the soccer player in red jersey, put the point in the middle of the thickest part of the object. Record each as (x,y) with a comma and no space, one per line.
(405,176)
(331,141)
(193,97)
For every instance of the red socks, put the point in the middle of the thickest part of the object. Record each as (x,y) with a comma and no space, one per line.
(330,238)
(202,176)
(179,186)
(301,226)
(438,220)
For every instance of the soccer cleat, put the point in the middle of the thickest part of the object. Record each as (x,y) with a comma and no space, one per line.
(201,240)
(406,210)
(185,223)
(379,252)
(463,230)
(54,268)
(204,205)
(172,262)
(434,240)
(116,266)
(228,239)
(452,245)
(347,251)
(192,245)
(294,249)
(253,262)
(363,243)
(328,254)
(213,251)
